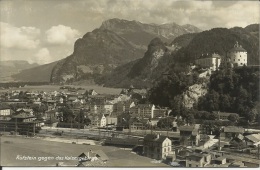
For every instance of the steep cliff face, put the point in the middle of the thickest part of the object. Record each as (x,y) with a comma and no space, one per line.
(134,30)
(141,72)
(96,53)
(192,95)
(115,43)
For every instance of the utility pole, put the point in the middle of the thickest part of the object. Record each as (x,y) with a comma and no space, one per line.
(15,126)
(71,127)
(219,147)
(33,128)
(258,151)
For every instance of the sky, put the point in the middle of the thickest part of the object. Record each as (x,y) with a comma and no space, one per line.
(43,31)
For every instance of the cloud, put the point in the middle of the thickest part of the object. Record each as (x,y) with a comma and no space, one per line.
(203,14)
(58,35)
(21,38)
(43,56)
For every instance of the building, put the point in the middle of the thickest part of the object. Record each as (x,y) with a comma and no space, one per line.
(230,132)
(189,135)
(51,104)
(138,125)
(157,146)
(23,117)
(98,120)
(108,108)
(160,112)
(198,160)
(143,111)
(111,120)
(224,115)
(237,55)
(123,106)
(212,62)
(252,140)
(5,113)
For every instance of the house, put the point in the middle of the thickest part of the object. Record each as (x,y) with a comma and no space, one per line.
(189,135)
(98,120)
(153,122)
(224,115)
(101,107)
(5,113)
(92,92)
(73,99)
(219,160)
(98,155)
(198,160)
(212,62)
(51,104)
(157,146)
(123,106)
(123,119)
(138,125)
(160,112)
(230,132)
(23,117)
(51,114)
(252,140)
(108,108)
(111,120)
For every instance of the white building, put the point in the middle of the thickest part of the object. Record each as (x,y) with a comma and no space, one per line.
(157,147)
(238,55)
(211,62)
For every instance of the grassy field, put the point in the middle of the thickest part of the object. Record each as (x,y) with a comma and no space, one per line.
(49,88)
(11,147)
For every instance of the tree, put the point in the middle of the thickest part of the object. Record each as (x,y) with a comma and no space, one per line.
(165,122)
(80,117)
(67,114)
(213,116)
(252,115)
(180,122)
(233,117)
(190,119)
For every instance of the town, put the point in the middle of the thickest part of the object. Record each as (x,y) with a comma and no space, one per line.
(127,120)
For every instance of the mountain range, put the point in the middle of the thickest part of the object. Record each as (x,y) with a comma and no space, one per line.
(121,52)
(11,67)
(182,51)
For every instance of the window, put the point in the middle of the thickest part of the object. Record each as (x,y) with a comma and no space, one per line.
(234,59)
(238,59)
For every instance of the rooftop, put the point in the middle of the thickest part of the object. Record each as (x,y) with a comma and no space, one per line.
(253,137)
(237,48)
(154,138)
(234,129)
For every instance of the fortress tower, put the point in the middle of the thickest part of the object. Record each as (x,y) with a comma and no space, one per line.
(238,55)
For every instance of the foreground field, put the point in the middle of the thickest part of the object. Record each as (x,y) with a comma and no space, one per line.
(12,148)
